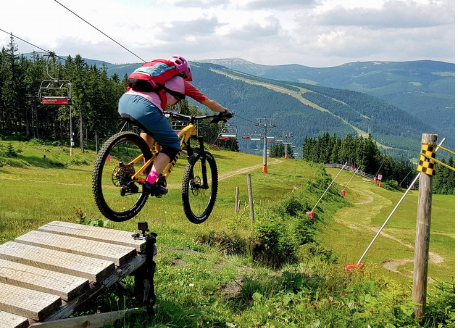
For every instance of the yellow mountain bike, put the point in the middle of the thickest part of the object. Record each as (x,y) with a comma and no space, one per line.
(125,159)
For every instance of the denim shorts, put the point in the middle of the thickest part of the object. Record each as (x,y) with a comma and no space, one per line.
(151,118)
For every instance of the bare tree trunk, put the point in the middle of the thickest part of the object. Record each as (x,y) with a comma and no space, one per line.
(37,124)
(27,131)
(81,132)
(96,137)
(61,132)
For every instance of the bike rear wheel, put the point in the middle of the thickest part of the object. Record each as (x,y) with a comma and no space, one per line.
(117,196)
(198,200)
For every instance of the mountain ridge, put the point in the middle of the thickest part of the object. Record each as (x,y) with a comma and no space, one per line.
(299,108)
(423,88)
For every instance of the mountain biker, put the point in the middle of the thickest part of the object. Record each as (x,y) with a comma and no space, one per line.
(145,108)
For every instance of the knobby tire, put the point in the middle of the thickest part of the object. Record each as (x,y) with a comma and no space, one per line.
(198,203)
(107,158)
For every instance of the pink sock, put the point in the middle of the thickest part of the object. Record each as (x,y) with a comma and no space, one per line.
(152,177)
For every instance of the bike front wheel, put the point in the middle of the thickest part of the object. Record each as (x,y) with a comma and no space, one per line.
(200,186)
(117,195)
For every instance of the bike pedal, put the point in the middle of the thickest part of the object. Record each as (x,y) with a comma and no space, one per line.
(133,188)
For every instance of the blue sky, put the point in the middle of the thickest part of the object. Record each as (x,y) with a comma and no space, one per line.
(316,33)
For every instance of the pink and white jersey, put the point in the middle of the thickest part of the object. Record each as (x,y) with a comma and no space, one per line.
(177,84)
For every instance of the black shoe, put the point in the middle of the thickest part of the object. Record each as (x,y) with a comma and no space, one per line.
(154,189)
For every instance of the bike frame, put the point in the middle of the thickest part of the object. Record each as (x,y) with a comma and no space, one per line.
(185,135)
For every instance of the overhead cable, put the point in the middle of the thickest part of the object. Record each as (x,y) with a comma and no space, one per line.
(51,53)
(100,31)
(24,40)
(244,118)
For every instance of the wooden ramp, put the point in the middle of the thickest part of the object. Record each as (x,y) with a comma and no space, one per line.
(45,274)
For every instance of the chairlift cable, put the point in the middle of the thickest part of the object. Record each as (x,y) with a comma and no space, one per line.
(243,118)
(100,31)
(35,46)
(52,53)
(24,40)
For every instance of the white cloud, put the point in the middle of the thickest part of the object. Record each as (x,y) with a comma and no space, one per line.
(200,3)
(392,14)
(277,4)
(256,32)
(308,32)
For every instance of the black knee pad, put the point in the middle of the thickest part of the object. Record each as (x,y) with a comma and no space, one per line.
(170,152)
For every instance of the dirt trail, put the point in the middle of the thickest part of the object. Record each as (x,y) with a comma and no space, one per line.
(244,170)
(170,186)
(45,181)
(230,174)
(359,216)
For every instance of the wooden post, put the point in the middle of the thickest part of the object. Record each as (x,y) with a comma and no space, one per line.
(420,275)
(250,198)
(236,200)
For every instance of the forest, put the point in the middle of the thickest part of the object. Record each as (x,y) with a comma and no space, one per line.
(96,88)
(94,98)
(92,114)
(364,154)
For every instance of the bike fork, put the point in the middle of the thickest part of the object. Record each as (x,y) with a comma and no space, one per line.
(203,159)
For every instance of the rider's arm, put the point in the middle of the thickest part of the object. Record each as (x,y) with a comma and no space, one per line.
(214,106)
(194,93)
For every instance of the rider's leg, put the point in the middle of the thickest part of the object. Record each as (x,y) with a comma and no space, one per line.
(160,163)
(149,139)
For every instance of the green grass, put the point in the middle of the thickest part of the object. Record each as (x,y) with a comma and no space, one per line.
(198,285)
(358,225)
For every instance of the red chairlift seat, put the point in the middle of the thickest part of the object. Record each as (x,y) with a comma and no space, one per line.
(55,101)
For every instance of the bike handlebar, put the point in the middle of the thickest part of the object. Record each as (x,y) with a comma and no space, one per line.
(191,118)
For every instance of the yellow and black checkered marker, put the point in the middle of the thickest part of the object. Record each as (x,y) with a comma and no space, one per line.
(427,163)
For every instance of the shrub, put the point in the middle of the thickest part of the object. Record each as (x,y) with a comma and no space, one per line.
(228,244)
(440,309)
(275,240)
(391,185)
(10,151)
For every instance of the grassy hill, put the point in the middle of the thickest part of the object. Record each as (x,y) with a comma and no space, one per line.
(424,89)
(208,275)
(304,109)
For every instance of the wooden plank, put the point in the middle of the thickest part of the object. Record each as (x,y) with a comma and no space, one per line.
(9,320)
(96,289)
(28,303)
(118,254)
(26,276)
(73,264)
(94,320)
(112,236)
